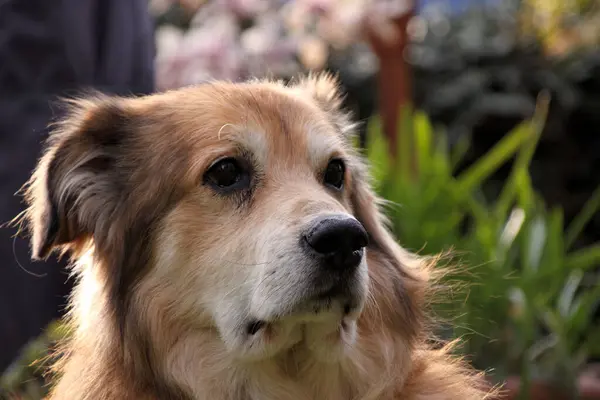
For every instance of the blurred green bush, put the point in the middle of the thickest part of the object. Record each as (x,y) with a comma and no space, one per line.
(527,304)
(28,377)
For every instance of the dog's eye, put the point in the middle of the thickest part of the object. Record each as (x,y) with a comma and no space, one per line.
(334,174)
(227,174)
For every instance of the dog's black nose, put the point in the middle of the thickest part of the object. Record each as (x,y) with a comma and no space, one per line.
(339,239)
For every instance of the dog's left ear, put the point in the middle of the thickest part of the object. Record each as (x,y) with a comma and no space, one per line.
(324,89)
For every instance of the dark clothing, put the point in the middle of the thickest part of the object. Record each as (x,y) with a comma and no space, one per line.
(51,48)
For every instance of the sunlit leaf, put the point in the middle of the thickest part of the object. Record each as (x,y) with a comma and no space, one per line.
(568,293)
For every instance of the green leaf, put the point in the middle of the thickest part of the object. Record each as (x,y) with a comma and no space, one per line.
(555,250)
(377,150)
(553,321)
(519,182)
(581,311)
(590,208)
(565,299)
(525,194)
(536,244)
(512,228)
(405,150)
(423,142)
(584,259)
(505,149)
(459,150)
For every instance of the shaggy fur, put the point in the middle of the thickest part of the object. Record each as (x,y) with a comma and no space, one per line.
(169,272)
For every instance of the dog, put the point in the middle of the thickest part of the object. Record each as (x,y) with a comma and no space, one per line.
(227,245)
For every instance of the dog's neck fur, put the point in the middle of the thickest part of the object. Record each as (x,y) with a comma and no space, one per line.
(197,365)
(193,364)
(200,365)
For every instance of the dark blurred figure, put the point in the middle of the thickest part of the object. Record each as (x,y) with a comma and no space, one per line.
(51,48)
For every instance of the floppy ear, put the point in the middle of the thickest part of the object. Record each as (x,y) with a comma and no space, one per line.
(74,192)
(399,279)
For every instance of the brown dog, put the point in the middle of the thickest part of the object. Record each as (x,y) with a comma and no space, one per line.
(227,245)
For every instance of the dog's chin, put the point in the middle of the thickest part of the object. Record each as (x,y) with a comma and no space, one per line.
(322,328)
(317,318)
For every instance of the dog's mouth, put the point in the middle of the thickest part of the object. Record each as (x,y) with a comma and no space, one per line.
(254,326)
(336,300)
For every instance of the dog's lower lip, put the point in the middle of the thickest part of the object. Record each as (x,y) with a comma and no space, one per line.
(334,291)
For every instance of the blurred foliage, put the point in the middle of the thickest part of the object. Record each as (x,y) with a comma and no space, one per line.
(489,62)
(477,73)
(530,290)
(529,300)
(561,26)
(28,377)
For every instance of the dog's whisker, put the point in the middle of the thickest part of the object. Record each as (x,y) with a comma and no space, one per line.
(14,251)
(375,304)
(231,262)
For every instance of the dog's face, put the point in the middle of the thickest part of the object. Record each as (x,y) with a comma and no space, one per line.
(265,242)
(236,207)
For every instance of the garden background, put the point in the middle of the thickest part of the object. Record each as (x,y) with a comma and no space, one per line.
(481,121)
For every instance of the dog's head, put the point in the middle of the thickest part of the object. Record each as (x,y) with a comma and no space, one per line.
(240,207)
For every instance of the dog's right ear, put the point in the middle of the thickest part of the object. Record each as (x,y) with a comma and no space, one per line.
(76,186)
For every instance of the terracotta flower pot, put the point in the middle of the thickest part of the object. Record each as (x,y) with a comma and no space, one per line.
(538,390)
(589,382)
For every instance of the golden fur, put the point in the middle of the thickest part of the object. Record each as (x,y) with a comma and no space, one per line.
(166,268)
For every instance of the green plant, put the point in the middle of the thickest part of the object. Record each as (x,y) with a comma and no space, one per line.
(26,377)
(529,304)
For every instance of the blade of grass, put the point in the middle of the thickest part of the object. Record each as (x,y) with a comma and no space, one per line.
(525,194)
(404,143)
(377,150)
(581,313)
(590,208)
(477,209)
(535,244)
(584,259)
(565,299)
(423,133)
(535,128)
(487,164)
(553,256)
(459,151)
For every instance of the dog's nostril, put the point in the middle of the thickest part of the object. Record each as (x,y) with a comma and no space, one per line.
(341,236)
(253,327)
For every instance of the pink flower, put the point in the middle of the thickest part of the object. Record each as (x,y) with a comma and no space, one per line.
(215,46)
